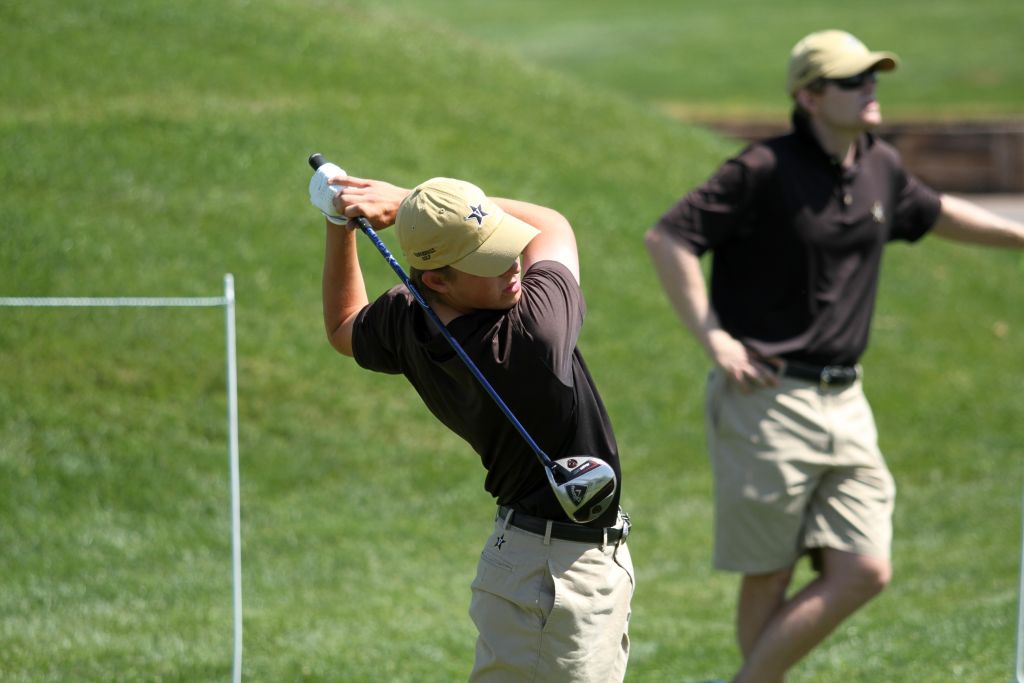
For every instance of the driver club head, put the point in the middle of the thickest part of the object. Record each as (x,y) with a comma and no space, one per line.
(583,485)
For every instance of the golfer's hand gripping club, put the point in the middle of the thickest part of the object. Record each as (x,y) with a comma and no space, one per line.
(321,193)
(583,485)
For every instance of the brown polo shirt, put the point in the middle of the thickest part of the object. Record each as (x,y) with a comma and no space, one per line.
(528,354)
(797,241)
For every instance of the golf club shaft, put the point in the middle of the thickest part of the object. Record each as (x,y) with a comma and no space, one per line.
(316,161)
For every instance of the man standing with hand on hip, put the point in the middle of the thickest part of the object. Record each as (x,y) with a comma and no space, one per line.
(797,225)
(551,597)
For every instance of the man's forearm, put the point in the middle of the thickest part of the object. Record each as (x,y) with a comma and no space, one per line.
(344,293)
(556,241)
(964,221)
(683,281)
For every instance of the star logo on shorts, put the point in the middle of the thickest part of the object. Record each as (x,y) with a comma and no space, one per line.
(477,214)
(499,542)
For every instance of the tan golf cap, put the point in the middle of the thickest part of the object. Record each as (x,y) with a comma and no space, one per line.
(832,54)
(448,222)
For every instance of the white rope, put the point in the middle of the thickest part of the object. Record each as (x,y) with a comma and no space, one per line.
(171,302)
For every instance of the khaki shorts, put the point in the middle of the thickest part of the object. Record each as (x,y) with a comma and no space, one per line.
(796,468)
(553,611)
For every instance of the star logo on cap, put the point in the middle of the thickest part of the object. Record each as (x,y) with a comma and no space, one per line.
(477,214)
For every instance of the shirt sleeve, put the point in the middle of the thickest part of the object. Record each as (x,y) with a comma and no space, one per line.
(711,214)
(551,313)
(917,209)
(377,331)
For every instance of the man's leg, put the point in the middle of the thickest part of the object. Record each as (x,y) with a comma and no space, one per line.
(846,583)
(761,597)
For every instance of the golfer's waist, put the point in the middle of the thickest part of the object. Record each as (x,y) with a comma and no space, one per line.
(565,531)
(830,376)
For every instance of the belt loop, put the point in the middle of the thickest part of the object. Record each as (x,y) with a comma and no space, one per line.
(547,533)
(508,518)
(604,538)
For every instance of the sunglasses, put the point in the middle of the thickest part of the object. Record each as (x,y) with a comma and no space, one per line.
(853,82)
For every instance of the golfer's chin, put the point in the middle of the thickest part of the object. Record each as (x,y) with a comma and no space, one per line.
(871,116)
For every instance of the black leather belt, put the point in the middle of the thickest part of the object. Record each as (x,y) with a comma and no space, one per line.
(825,376)
(565,531)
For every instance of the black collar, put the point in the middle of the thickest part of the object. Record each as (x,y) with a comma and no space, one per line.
(805,133)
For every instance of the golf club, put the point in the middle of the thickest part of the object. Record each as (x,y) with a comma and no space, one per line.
(583,484)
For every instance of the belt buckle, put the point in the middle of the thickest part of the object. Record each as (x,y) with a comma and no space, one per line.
(835,375)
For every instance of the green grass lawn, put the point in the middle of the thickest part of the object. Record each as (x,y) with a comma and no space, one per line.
(147,148)
(727,59)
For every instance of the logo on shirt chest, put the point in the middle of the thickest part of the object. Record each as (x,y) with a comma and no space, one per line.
(878,212)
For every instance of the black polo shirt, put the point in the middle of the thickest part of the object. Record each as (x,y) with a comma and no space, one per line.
(528,354)
(797,241)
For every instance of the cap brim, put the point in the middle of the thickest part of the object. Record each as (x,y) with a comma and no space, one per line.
(878,61)
(499,251)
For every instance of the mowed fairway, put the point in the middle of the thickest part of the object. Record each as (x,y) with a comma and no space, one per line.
(147,148)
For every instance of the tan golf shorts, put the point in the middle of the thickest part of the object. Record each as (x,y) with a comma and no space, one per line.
(796,467)
(555,611)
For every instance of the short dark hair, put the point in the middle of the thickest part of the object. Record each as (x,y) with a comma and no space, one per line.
(416,276)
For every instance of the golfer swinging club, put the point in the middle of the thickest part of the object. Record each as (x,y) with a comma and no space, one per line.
(503,277)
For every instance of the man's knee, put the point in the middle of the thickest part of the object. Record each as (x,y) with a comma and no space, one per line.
(875,576)
(864,577)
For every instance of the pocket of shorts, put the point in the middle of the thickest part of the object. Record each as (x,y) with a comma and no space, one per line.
(519,584)
(494,573)
(626,566)
(496,561)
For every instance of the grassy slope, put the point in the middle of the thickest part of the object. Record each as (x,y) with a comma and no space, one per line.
(149,148)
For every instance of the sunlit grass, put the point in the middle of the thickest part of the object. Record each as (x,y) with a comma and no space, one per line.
(148,148)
